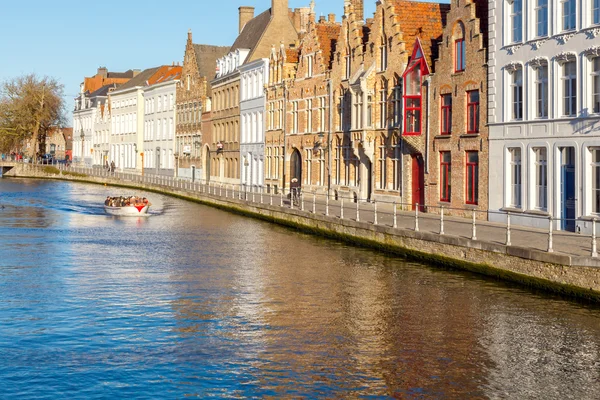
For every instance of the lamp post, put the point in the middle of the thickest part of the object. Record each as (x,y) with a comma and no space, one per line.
(246,163)
(176,155)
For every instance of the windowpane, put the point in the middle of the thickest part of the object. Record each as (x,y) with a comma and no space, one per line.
(446,114)
(472,177)
(515,176)
(460,55)
(541,177)
(569,14)
(517,20)
(445,176)
(542,18)
(517,94)
(542,91)
(569,88)
(473,111)
(596,11)
(596,84)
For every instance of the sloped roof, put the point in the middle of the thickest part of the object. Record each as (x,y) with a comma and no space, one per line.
(140,79)
(291,55)
(127,74)
(423,20)
(103,91)
(166,73)
(252,32)
(328,34)
(206,58)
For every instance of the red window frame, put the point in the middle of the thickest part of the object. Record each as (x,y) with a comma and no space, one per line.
(418,64)
(472,178)
(446,114)
(459,55)
(472,112)
(445,170)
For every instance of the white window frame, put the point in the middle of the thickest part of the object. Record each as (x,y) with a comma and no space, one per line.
(541,91)
(569,89)
(541,18)
(568,14)
(516,21)
(540,174)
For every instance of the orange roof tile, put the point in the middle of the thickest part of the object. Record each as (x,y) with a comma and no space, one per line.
(328,34)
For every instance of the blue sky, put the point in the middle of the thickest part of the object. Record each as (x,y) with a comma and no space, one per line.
(69,39)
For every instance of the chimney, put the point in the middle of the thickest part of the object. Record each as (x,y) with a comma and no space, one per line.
(321,19)
(331,18)
(246,14)
(359,9)
(103,72)
(279,8)
(189,36)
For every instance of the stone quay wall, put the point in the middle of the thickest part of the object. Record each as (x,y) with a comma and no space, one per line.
(571,276)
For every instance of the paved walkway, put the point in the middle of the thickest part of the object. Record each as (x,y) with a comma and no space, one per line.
(566,243)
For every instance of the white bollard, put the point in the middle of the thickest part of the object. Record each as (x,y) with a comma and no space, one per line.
(594,247)
(442,221)
(508,243)
(395,216)
(281,197)
(327,205)
(375,218)
(417,217)
(550,228)
(342,209)
(357,211)
(314,210)
(474,233)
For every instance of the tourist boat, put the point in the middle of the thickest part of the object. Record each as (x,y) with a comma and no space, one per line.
(128,211)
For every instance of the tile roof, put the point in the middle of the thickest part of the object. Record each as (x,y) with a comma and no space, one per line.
(140,79)
(103,91)
(291,55)
(328,34)
(165,73)
(423,20)
(206,58)
(252,32)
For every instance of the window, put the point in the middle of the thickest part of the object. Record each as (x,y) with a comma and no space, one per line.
(445,176)
(412,125)
(541,178)
(338,153)
(382,164)
(309,65)
(308,175)
(348,65)
(383,105)
(596,84)
(397,103)
(517,94)
(321,167)
(357,115)
(569,16)
(541,85)
(595,180)
(569,89)
(473,111)
(596,12)
(341,111)
(295,117)
(460,52)
(515,177)
(472,177)
(541,11)
(369,111)
(397,163)
(309,121)
(516,18)
(383,54)
(446,103)
(322,115)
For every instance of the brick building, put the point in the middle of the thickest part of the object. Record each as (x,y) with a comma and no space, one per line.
(192,99)
(255,40)
(308,100)
(57,140)
(458,166)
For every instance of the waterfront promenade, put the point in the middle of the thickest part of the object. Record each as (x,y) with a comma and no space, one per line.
(562,258)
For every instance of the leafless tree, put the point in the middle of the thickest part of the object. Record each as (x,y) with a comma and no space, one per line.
(29,107)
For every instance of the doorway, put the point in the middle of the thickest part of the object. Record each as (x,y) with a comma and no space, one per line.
(296,168)
(418,181)
(567,188)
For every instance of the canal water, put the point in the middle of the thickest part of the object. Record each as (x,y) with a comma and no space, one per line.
(195,302)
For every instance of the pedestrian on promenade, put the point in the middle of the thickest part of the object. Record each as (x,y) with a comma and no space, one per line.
(112,166)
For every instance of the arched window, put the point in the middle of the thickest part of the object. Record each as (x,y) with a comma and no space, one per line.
(460,53)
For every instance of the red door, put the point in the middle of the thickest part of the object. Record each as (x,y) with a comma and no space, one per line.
(418,181)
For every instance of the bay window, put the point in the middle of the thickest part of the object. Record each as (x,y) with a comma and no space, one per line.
(412,92)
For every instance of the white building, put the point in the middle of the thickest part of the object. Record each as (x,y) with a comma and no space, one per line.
(159,126)
(84,117)
(252,122)
(544,111)
(102,126)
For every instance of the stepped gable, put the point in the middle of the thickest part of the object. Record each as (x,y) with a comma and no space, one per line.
(423,20)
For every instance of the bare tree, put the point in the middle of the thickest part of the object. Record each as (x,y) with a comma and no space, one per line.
(29,107)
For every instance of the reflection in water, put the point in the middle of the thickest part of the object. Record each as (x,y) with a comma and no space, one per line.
(196,302)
